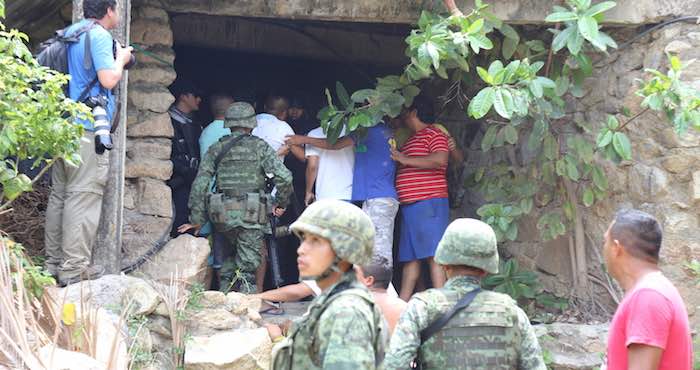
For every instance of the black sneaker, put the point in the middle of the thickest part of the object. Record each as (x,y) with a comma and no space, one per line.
(92,272)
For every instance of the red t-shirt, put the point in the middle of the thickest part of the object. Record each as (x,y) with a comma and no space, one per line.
(652,313)
(414,184)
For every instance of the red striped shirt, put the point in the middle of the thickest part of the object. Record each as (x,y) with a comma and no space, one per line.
(414,184)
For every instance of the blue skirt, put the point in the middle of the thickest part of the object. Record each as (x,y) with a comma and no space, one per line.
(422,226)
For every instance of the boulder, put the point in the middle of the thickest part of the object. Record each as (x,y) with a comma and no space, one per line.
(141,298)
(210,320)
(150,97)
(140,233)
(149,12)
(154,198)
(150,125)
(60,359)
(650,182)
(146,167)
(158,148)
(239,303)
(695,187)
(160,325)
(252,351)
(106,292)
(151,32)
(573,346)
(186,256)
(213,299)
(152,73)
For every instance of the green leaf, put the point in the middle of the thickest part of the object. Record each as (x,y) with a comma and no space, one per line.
(484,74)
(675,63)
(499,103)
(430,49)
(481,103)
(572,171)
(575,41)
(588,197)
(599,8)
(584,63)
(612,122)
(495,67)
(489,138)
(588,27)
(511,134)
(476,26)
(537,134)
(342,93)
(409,92)
(622,145)
(359,119)
(600,180)
(508,48)
(479,41)
(561,17)
(509,32)
(561,39)
(551,147)
(604,138)
(535,88)
(360,96)
(329,98)
(546,82)
(561,85)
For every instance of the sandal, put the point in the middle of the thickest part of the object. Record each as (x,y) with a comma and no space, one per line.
(274,308)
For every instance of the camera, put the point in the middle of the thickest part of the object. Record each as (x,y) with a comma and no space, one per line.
(132,60)
(103,137)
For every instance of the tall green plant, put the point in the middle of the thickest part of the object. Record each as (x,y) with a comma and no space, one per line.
(36,118)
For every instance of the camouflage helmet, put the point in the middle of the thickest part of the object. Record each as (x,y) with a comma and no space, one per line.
(240,114)
(468,242)
(348,228)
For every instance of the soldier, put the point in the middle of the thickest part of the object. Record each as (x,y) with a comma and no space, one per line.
(238,206)
(492,333)
(343,328)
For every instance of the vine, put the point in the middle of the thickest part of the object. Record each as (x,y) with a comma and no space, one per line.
(522,98)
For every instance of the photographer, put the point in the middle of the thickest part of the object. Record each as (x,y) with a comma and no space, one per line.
(95,64)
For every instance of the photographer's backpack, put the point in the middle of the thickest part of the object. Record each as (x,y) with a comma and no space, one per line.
(53,53)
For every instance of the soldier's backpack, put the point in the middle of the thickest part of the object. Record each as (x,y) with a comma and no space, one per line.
(53,53)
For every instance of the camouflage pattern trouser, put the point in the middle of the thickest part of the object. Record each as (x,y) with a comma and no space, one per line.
(382,212)
(239,270)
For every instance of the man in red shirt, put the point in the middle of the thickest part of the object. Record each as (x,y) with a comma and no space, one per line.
(650,328)
(421,184)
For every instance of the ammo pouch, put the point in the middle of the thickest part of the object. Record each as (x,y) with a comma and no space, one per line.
(252,208)
(282,355)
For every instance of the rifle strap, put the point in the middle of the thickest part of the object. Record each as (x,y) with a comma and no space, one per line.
(229,144)
(440,323)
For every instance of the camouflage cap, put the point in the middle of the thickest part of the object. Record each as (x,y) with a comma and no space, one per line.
(348,228)
(468,242)
(240,114)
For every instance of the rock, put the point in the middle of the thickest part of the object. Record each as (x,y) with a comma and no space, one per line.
(106,292)
(152,73)
(60,359)
(130,194)
(142,340)
(151,125)
(689,139)
(162,310)
(677,46)
(154,198)
(695,186)
(148,148)
(141,297)
(161,343)
(149,97)
(679,223)
(572,346)
(213,298)
(146,167)
(650,183)
(185,255)
(253,315)
(210,320)
(239,303)
(151,32)
(553,258)
(160,325)
(149,12)
(140,233)
(680,163)
(252,351)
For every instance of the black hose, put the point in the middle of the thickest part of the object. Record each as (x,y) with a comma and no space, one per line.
(157,247)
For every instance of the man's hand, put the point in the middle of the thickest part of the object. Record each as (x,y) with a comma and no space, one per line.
(309,198)
(295,139)
(283,150)
(397,156)
(124,54)
(187,227)
(274,331)
(278,211)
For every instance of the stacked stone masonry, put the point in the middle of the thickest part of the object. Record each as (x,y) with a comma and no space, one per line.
(147,200)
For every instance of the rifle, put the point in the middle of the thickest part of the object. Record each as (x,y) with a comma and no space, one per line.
(274,252)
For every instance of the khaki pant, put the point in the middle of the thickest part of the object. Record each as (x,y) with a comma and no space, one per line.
(74,209)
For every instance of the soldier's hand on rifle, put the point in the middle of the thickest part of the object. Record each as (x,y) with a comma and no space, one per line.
(278,211)
(309,198)
(187,227)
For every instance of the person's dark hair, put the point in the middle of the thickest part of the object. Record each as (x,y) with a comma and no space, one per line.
(380,271)
(638,232)
(219,103)
(96,9)
(296,102)
(276,104)
(424,106)
(181,87)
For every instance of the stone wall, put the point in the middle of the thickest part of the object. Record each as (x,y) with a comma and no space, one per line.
(147,199)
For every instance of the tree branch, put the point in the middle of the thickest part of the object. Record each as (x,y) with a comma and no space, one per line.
(633,118)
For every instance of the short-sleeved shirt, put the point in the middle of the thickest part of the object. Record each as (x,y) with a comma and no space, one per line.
(375,171)
(211,134)
(272,130)
(415,184)
(653,314)
(335,169)
(101,43)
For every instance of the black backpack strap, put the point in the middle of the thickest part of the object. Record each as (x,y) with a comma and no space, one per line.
(87,57)
(229,144)
(440,323)
(86,91)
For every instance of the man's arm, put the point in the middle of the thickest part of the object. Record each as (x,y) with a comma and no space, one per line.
(109,70)
(432,160)
(405,339)
(311,173)
(298,152)
(322,143)
(345,336)
(289,293)
(283,178)
(643,357)
(200,188)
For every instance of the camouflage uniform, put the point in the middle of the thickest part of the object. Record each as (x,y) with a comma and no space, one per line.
(491,333)
(343,328)
(238,207)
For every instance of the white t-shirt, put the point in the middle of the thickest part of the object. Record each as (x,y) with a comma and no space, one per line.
(272,130)
(334,179)
(313,286)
